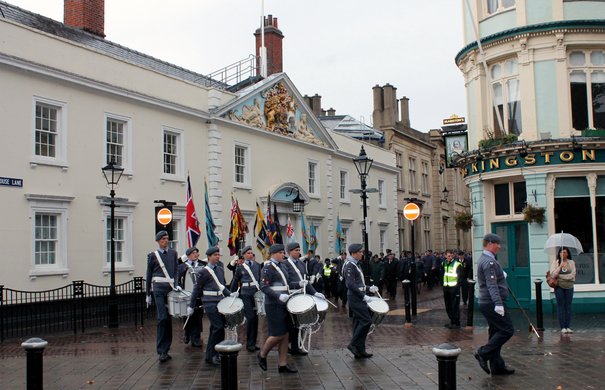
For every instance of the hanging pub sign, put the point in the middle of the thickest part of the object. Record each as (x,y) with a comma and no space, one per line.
(455,143)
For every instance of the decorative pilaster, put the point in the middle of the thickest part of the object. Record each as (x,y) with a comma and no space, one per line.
(215,177)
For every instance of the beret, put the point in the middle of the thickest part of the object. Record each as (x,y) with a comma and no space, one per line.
(354,248)
(191,250)
(276,248)
(491,237)
(246,249)
(161,234)
(212,250)
(293,245)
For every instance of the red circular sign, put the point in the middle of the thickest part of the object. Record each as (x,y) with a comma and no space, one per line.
(411,211)
(164,216)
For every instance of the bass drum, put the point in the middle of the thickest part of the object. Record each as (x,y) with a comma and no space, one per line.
(303,310)
(233,310)
(322,308)
(259,302)
(378,310)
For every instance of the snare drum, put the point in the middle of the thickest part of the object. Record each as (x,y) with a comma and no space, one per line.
(177,303)
(233,310)
(303,310)
(322,308)
(378,309)
(259,302)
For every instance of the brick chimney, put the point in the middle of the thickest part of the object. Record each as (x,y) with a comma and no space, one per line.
(273,43)
(87,15)
(386,111)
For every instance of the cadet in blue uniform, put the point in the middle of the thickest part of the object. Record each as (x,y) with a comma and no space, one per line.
(276,285)
(247,277)
(297,273)
(358,301)
(212,292)
(162,285)
(493,291)
(193,326)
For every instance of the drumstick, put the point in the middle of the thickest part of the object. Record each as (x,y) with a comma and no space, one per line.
(325,299)
(187,320)
(380,296)
(234,298)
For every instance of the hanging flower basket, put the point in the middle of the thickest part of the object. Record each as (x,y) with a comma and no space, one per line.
(464,221)
(534,214)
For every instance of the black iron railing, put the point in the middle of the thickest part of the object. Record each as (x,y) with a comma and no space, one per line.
(78,306)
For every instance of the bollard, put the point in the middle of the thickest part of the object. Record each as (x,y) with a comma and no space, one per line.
(406,296)
(228,349)
(34,351)
(447,354)
(471,303)
(539,313)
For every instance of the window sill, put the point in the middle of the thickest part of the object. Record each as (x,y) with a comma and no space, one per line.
(315,196)
(129,269)
(414,192)
(34,162)
(382,207)
(345,201)
(172,178)
(497,12)
(36,272)
(242,186)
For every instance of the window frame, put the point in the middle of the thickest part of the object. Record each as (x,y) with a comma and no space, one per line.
(343,187)
(399,161)
(126,213)
(382,199)
(412,174)
(587,69)
(511,200)
(500,7)
(127,140)
(247,183)
(179,174)
(60,158)
(315,192)
(425,187)
(504,81)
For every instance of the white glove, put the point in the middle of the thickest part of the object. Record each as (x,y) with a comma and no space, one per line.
(373,289)
(367,299)
(320,295)
(312,279)
(303,283)
(505,274)
(234,294)
(234,261)
(189,311)
(178,288)
(148,300)
(284,297)
(499,310)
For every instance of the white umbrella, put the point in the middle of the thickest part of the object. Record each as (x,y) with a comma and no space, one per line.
(559,240)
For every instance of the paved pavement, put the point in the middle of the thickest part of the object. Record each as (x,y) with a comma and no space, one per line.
(125,358)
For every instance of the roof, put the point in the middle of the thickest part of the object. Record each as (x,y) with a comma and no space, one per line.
(346,124)
(53,27)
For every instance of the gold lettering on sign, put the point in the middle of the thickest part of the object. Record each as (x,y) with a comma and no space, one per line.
(482,166)
(566,156)
(530,159)
(510,161)
(474,167)
(588,155)
(546,156)
(494,163)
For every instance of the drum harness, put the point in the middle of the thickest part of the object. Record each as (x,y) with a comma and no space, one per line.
(159,279)
(221,287)
(305,331)
(193,280)
(254,281)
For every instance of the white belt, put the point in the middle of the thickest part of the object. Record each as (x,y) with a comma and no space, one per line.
(161,279)
(280,288)
(248,284)
(212,293)
(361,288)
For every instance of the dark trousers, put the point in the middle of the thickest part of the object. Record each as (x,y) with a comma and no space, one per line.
(193,325)
(164,327)
(217,330)
(361,322)
(392,287)
(293,336)
(342,292)
(251,320)
(564,297)
(464,291)
(451,296)
(500,331)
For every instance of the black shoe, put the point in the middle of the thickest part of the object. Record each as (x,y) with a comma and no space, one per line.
(287,369)
(253,349)
(164,357)
(366,355)
(504,371)
(297,351)
(215,361)
(354,351)
(262,362)
(186,339)
(454,326)
(482,362)
(449,326)
(196,345)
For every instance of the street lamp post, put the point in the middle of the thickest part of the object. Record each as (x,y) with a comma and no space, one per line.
(112,175)
(363,164)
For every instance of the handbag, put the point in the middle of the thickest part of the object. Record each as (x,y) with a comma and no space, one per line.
(552,282)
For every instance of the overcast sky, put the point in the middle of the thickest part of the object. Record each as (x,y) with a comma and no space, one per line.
(339,49)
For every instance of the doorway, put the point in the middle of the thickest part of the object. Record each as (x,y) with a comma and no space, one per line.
(514,259)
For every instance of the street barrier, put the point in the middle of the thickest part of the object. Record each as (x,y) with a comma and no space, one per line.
(447,354)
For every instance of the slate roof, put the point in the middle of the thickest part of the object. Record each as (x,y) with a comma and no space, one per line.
(346,124)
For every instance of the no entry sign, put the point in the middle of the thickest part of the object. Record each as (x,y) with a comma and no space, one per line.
(411,211)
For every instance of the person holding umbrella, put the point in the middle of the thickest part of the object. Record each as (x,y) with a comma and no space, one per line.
(563,268)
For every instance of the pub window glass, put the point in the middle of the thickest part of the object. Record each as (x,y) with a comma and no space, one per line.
(502,199)
(519,196)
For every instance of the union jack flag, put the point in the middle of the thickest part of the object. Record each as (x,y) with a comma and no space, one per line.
(193,224)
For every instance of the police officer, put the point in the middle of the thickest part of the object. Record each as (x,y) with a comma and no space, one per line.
(358,301)
(493,291)
(162,267)
(297,273)
(193,326)
(211,286)
(452,278)
(275,285)
(247,277)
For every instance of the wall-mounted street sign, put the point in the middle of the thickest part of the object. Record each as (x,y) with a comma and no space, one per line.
(164,216)
(11,182)
(411,211)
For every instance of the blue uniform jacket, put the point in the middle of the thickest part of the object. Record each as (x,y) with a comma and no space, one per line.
(272,278)
(491,281)
(171,262)
(205,282)
(354,279)
(293,276)
(242,276)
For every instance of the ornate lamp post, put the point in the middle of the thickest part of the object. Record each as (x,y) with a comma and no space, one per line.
(112,175)
(363,164)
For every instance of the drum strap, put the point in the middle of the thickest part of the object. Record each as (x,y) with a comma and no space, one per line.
(295,268)
(211,272)
(281,273)
(251,275)
(191,273)
(163,267)
(363,280)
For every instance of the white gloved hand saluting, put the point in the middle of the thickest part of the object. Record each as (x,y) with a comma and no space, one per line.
(234,294)
(148,300)
(499,310)
(284,297)
(367,299)
(178,288)
(303,283)
(373,289)
(320,295)
(189,311)
(234,261)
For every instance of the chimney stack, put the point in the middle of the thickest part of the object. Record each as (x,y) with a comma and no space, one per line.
(331,112)
(316,105)
(273,44)
(87,15)
(405,111)
(386,111)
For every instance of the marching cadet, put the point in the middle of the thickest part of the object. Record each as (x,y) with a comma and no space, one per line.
(211,286)
(247,276)
(358,301)
(297,273)
(193,325)
(275,285)
(162,267)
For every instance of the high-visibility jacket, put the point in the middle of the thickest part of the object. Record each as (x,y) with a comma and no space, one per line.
(327,270)
(450,276)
